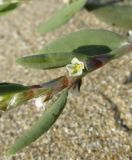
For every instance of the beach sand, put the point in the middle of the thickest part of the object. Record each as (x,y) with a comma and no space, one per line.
(97,125)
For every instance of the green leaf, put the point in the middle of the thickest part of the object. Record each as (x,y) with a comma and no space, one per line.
(84,38)
(8,6)
(80,44)
(10,95)
(61,17)
(4,101)
(120,16)
(60,59)
(9,88)
(44,61)
(42,125)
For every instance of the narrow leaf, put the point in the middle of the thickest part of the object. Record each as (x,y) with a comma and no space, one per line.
(42,125)
(120,16)
(80,44)
(82,39)
(9,88)
(4,101)
(46,61)
(60,59)
(61,17)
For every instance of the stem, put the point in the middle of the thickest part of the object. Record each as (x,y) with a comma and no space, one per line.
(54,86)
(122,50)
(51,88)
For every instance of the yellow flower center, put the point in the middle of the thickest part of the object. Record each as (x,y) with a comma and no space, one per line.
(77,68)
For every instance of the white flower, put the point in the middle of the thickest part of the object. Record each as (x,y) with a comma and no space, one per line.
(75,68)
(39,102)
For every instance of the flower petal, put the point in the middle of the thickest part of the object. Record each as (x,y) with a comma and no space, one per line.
(75,61)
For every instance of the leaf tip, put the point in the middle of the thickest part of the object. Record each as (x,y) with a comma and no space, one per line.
(18,60)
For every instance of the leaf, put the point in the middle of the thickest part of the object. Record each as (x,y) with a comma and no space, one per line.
(4,101)
(55,60)
(61,17)
(42,125)
(120,16)
(81,44)
(9,88)
(84,38)
(10,94)
(43,61)
(8,6)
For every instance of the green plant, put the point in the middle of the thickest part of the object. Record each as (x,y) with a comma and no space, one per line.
(112,12)
(80,53)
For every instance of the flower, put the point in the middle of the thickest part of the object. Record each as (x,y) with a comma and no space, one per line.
(39,102)
(75,68)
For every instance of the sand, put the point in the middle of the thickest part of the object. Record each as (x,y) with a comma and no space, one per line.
(95,125)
